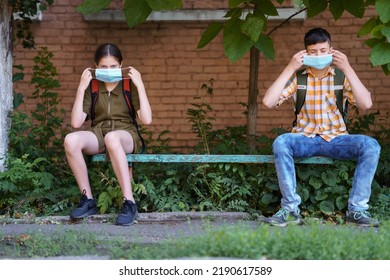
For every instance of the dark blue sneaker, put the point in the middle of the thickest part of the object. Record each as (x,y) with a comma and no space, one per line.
(85,208)
(128,214)
(361,218)
(283,218)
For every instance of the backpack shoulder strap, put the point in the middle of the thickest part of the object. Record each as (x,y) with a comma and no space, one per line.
(301,93)
(339,89)
(338,83)
(94,86)
(127,94)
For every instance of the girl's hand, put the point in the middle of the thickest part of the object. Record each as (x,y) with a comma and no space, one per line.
(135,76)
(85,79)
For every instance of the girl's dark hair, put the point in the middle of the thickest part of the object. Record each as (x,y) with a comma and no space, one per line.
(315,36)
(108,50)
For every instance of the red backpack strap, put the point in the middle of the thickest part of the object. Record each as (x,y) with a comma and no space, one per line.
(126,86)
(94,96)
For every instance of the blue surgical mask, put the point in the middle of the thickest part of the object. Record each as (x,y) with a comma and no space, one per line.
(317,62)
(108,75)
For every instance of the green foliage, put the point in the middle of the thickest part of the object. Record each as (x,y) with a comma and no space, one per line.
(36,165)
(37,135)
(198,116)
(246,22)
(136,11)
(311,242)
(22,185)
(26,10)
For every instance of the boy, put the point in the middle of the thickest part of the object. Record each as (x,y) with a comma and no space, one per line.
(320,129)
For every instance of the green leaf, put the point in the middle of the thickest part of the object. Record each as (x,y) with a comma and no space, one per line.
(336,8)
(330,178)
(380,54)
(17,77)
(383,9)
(235,3)
(136,12)
(376,32)
(253,26)
(315,182)
(354,7)
(386,68)
(266,199)
(385,30)
(314,7)
(209,34)
(304,173)
(368,26)
(266,7)
(321,196)
(304,193)
(272,186)
(341,203)
(236,44)
(373,42)
(266,46)
(158,5)
(326,206)
(92,6)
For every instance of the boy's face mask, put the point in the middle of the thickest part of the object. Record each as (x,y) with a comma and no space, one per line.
(108,75)
(317,62)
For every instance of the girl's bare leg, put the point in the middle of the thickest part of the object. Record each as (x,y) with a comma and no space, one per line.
(76,144)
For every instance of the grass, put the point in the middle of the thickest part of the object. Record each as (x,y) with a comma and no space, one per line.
(310,242)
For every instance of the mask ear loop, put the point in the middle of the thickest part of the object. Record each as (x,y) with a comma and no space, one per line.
(125,75)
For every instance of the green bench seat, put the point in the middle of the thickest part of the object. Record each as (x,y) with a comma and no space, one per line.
(194,158)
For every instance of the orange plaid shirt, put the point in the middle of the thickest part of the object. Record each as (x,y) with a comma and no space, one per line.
(319,114)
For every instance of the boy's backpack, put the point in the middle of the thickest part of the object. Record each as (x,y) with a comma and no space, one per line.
(338,91)
(127,92)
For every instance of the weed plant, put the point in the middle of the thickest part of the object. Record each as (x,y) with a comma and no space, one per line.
(309,242)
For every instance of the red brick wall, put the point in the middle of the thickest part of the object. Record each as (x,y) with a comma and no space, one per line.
(173,69)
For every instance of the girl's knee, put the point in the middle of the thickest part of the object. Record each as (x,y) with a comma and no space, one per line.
(111,140)
(70,141)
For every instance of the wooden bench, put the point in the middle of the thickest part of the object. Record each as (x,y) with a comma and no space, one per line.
(193,158)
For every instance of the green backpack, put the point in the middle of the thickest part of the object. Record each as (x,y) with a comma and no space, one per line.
(301,94)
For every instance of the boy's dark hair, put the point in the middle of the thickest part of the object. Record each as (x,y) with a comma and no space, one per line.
(315,36)
(108,50)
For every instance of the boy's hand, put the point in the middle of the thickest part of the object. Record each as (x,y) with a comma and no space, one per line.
(296,61)
(340,60)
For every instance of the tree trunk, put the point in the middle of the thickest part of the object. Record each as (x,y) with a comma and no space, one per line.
(5,78)
(252,98)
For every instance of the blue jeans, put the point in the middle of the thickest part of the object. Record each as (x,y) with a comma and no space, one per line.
(362,148)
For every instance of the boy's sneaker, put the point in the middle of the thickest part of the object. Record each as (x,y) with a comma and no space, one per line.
(283,218)
(128,213)
(361,218)
(85,208)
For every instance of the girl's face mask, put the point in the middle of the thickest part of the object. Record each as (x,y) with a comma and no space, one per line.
(318,62)
(110,75)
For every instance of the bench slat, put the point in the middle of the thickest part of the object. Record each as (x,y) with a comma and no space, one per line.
(192,158)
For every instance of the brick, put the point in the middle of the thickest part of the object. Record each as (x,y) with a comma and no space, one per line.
(173,69)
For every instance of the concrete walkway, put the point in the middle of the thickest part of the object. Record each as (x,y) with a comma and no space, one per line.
(151,227)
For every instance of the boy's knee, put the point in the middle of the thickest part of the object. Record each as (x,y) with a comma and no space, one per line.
(281,142)
(372,146)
